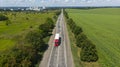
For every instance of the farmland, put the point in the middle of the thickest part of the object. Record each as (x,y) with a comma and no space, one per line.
(20,24)
(24,36)
(102,27)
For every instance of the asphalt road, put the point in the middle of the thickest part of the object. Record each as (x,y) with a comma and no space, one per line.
(60,56)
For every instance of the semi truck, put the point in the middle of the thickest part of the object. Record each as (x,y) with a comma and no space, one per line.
(57,40)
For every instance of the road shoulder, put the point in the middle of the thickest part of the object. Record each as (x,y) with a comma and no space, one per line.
(70,62)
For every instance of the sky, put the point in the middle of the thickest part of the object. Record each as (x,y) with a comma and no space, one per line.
(35,3)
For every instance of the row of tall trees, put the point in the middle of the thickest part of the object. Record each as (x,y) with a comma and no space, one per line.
(57,13)
(28,55)
(88,49)
(66,14)
(74,28)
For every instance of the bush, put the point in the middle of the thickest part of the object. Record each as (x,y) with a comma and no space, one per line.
(21,56)
(2,18)
(57,13)
(47,27)
(88,52)
(72,24)
(80,39)
(77,30)
(8,22)
(65,14)
(50,22)
(35,38)
(69,21)
(27,18)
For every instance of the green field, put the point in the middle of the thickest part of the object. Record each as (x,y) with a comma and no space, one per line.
(102,27)
(21,23)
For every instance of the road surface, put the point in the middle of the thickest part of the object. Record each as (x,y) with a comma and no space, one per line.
(60,56)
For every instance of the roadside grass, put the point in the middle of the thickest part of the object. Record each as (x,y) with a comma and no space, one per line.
(6,43)
(74,49)
(21,23)
(102,27)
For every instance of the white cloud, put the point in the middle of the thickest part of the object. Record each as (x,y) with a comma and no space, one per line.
(66,0)
(108,0)
(58,2)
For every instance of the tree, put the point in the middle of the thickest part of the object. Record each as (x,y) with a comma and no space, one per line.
(8,22)
(80,39)
(2,17)
(66,14)
(27,18)
(47,27)
(88,52)
(72,24)
(57,12)
(69,21)
(36,40)
(50,22)
(77,30)
(26,63)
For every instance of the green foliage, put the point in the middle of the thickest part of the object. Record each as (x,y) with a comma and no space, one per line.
(50,22)
(21,56)
(71,24)
(19,25)
(80,39)
(47,27)
(27,56)
(70,21)
(29,46)
(57,13)
(77,30)
(88,52)
(31,26)
(8,22)
(66,14)
(27,18)
(35,38)
(2,17)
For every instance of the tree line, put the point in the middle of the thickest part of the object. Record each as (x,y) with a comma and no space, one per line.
(3,17)
(28,56)
(57,13)
(88,49)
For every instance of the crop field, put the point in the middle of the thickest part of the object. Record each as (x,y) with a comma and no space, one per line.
(102,27)
(20,23)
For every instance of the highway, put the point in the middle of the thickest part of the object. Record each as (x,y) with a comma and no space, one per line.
(60,56)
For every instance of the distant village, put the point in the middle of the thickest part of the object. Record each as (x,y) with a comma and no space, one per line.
(23,8)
